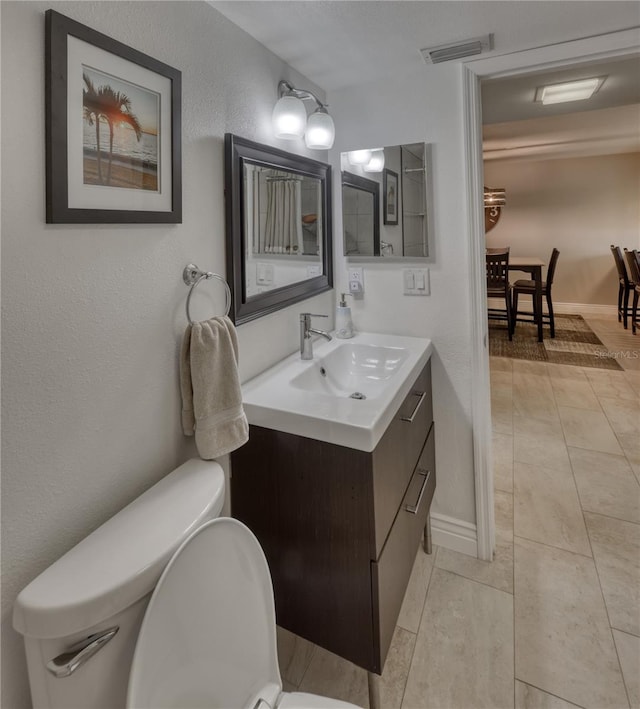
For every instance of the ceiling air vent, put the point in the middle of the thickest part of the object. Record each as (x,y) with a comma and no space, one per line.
(459,50)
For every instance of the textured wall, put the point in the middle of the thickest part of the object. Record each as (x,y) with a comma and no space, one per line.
(424,107)
(93,315)
(578,205)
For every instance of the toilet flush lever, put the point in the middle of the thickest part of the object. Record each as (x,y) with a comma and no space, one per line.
(68,662)
(261,704)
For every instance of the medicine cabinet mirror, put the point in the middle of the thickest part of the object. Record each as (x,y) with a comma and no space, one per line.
(278,224)
(401,188)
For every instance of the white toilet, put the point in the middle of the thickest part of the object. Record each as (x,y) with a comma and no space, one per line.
(208,638)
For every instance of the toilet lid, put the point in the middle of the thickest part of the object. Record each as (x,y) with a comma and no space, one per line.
(208,636)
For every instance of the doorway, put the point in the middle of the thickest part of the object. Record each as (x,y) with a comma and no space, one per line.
(617,44)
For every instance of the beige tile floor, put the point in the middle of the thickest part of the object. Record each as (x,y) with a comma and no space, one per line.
(554,621)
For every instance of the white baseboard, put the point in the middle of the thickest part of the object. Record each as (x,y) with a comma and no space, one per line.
(524,306)
(454,534)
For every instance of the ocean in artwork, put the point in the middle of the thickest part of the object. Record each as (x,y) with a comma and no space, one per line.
(125,144)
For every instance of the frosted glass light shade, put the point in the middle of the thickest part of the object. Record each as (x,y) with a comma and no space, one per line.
(320,131)
(289,118)
(359,157)
(376,164)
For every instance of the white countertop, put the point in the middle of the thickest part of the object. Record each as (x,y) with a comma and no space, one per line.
(272,401)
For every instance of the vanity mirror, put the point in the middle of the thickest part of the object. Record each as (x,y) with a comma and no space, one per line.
(396,187)
(278,224)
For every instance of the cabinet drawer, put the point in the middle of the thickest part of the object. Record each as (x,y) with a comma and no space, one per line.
(396,455)
(416,415)
(390,573)
(418,499)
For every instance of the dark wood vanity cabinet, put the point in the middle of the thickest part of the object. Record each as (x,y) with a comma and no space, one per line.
(340,527)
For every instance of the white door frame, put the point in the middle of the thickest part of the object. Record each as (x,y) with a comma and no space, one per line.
(614,44)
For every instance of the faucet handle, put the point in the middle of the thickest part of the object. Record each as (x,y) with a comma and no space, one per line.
(308,316)
(317,315)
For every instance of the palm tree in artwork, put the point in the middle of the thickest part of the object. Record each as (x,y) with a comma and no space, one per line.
(112,106)
(91,111)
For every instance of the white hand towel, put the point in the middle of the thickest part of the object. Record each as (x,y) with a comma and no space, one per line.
(210,385)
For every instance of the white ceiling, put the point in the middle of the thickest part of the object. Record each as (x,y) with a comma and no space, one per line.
(512,99)
(604,132)
(515,126)
(342,43)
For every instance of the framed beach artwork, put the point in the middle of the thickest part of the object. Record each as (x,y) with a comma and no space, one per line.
(390,205)
(113,130)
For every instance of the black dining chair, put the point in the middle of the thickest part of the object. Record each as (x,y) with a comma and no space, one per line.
(625,286)
(527,287)
(498,286)
(633,261)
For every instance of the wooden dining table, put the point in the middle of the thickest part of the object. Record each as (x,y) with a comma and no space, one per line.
(533,266)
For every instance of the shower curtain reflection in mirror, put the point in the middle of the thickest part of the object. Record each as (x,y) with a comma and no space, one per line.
(283,231)
(282,212)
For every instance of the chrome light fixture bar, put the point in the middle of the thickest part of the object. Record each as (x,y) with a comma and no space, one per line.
(289,118)
(569,90)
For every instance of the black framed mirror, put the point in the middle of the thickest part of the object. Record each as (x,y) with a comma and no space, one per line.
(360,215)
(278,227)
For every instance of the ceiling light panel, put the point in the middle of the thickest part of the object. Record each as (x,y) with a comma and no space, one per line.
(569,91)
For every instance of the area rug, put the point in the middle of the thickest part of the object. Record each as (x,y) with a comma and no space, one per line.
(575,343)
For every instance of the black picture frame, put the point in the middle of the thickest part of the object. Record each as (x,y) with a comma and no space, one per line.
(140,186)
(238,152)
(390,197)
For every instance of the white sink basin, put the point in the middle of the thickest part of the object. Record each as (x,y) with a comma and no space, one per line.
(347,394)
(353,369)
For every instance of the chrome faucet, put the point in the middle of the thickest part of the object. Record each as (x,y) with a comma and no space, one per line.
(306,344)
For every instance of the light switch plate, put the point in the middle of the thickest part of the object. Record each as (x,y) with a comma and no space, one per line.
(409,280)
(416,281)
(264,274)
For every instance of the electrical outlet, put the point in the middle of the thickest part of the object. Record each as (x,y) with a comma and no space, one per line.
(356,281)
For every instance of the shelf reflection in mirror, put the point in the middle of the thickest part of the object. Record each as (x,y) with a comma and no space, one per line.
(388,213)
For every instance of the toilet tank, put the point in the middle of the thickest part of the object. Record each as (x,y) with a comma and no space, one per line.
(105,582)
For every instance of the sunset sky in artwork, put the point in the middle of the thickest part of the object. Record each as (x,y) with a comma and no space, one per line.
(145,104)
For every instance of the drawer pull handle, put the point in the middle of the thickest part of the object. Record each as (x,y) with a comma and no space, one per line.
(426,474)
(421,394)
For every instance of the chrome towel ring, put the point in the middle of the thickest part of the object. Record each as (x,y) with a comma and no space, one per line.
(192,275)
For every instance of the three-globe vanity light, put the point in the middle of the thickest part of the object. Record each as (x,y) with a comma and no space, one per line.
(289,118)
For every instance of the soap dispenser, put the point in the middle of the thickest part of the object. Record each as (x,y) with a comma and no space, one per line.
(344,324)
